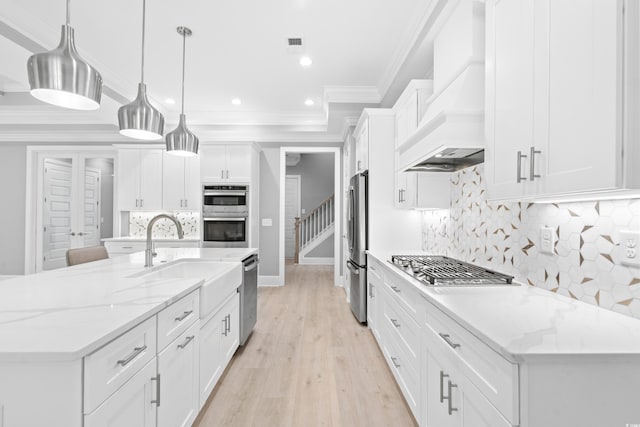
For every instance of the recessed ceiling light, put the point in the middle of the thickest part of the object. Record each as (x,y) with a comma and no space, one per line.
(305,61)
(170,101)
(309,102)
(236,101)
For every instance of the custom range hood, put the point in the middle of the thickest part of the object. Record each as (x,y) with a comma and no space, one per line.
(450,136)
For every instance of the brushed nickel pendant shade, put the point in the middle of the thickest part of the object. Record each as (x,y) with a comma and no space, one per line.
(61,77)
(139,119)
(181,141)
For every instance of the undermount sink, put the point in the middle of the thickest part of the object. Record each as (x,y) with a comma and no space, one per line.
(220,279)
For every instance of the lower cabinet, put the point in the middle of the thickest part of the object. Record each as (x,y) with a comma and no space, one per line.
(451,402)
(220,338)
(375,280)
(134,405)
(178,377)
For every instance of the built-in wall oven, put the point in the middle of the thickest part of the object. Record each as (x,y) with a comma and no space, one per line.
(225,213)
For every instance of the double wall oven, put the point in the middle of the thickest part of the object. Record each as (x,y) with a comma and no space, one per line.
(225,213)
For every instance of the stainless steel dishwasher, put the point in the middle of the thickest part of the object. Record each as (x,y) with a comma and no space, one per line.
(248,297)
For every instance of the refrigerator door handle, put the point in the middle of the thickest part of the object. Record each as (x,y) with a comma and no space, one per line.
(352,222)
(353,268)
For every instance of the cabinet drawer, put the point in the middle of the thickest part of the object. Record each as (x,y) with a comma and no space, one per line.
(400,324)
(405,369)
(406,295)
(493,375)
(375,269)
(175,319)
(108,368)
(124,247)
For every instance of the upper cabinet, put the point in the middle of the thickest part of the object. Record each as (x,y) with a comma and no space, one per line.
(181,182)
(557,101)
(139,174)
(362,146)
(424,190)
(227,163)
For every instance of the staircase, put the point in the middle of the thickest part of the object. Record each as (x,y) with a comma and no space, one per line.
(313,229)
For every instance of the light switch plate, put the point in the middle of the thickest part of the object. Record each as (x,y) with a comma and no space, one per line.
(267,222)
(630,247)
(547,240)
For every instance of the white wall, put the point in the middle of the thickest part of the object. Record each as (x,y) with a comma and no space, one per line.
(13,160)
(269,208)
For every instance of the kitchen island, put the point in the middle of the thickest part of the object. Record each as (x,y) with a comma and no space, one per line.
(503,355)
(103,340)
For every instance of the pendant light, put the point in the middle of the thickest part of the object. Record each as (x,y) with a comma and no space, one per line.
(181,141)
(139,119)
(61,77)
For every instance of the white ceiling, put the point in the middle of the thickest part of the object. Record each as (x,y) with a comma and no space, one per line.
(239,49)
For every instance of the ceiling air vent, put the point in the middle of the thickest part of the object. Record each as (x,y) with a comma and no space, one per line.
(294,41)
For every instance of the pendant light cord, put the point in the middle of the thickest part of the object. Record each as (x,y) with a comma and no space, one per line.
(144,15)
(68,12)
(184,45)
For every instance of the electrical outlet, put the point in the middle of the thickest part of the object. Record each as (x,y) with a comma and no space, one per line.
(630,243)
(547,240)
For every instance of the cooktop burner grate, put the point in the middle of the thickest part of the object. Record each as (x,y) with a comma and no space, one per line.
(441,270)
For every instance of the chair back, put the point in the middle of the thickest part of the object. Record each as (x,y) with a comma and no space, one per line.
(82,255)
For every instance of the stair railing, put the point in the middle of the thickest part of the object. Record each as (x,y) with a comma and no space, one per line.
(309,227)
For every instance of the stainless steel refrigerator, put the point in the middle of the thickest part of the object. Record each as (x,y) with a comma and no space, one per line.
(358,240)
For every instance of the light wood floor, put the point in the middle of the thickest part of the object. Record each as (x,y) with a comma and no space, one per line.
(308,363)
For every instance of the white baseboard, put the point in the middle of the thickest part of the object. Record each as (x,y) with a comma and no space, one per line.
(270,281)
(340,282)
(316,261)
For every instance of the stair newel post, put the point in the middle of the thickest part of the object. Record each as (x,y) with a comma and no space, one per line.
(297,240)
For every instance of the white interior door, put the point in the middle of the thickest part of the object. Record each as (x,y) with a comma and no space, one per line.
(70,205)
(91,207)
(57,212)
(291,211)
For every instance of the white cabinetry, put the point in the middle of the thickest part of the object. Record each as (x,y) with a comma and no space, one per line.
(139,175)
(362,146)
(424,190)
(220,334)
(227,163)
(178,371)
(375,282)
(133,405)
(181,183)
(557,100)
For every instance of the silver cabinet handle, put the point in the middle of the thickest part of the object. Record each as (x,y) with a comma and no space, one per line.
(127,247)
(399,195)
(225,326)
(442,377)
(135,353)
(519,176)
(532,163)
(81,234)
(183,316)
(157,400)
(229,323)
(396,364)
(449,398)
(227,173)
(72,234)
(371,294)
(222,173)
(137,201)
(395,288)
(447,339)
(395,323)
(142,203)
(186,342)
(186,203)
(181,203)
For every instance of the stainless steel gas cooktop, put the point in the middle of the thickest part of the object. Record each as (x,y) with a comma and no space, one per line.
(444,271)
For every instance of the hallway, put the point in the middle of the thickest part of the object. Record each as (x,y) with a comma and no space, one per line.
(308,363)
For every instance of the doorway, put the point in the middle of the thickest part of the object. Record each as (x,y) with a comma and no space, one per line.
(71,205)
(291,212)
(335,208)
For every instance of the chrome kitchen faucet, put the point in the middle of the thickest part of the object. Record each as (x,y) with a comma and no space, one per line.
(149,253)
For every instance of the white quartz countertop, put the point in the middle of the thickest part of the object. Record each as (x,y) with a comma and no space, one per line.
(528,323)
(68,313)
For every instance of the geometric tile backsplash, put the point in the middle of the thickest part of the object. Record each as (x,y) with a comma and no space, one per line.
(505,236)
(164,228)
